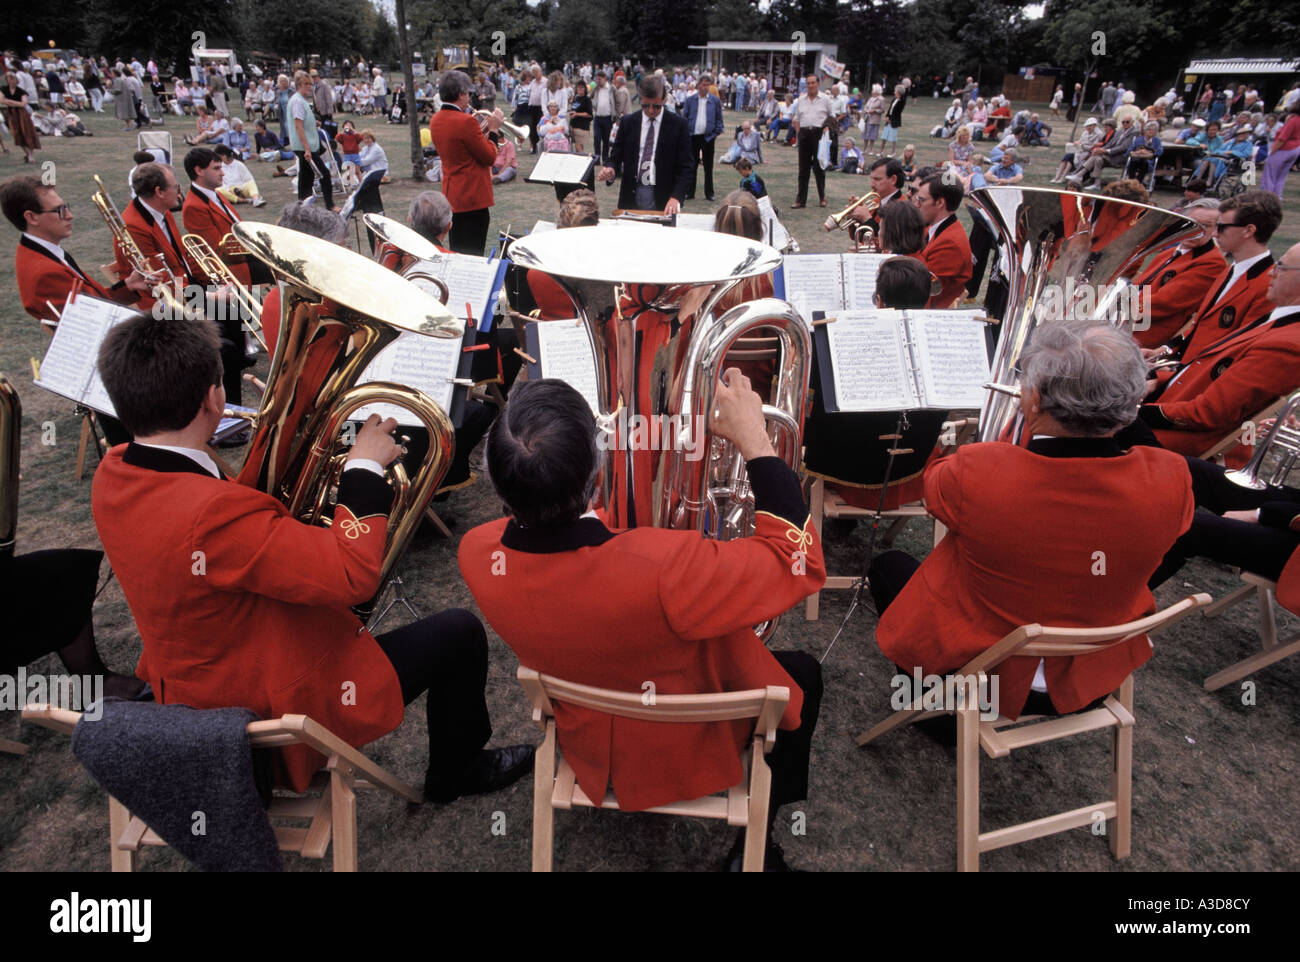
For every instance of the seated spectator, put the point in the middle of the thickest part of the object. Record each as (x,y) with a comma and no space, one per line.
(1006,172)
(1009,141)
(1207,138)
(999,119)
(749,180)
(374,168)
(203,128)
(908,162)
(979,118)
(554,129)
(506,166)
(1036,133)
(1145,153)
(1193,191)
(237,184)
(975,179)
(748,145)
(238,141)
(77,95)
(1215,165)
(269,145)
(951,120)
(1110,151)
(850,158)
(961,149)
(785,113)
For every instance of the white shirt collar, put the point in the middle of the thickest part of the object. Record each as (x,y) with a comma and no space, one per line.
(54,249)
(1284,311)
(201,458)
(213,196)
(1240,267)
(157,215)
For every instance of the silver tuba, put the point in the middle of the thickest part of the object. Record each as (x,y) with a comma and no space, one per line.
(1064,248)
(647,297)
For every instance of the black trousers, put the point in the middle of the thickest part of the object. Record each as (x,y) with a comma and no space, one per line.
(469,230)
(702,151)
(808,162)
(307,176)
(231,331)
(789,757)
(601,130)
(534,119)
(1258,548)
(446,655)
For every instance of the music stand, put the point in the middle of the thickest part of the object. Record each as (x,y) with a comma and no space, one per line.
(565,170)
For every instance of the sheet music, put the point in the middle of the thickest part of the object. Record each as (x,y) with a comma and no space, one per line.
(561,168)
(951,357)
(468,278)
(860,272)
(870,361)
(814,282)
(70,364)
(427,364)
(543,225)
(695,221)
(773,229)
(564,352)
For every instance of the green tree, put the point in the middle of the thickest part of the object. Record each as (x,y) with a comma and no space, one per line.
(736,20)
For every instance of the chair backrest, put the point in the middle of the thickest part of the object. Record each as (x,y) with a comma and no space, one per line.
(1038,641)
(765,705)
(157,142)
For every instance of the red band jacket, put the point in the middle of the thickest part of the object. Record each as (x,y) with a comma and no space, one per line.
(212,221)
(467,157)
(43,277)
(1173,285)
(948,257)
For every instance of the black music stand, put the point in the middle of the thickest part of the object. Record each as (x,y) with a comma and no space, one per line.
(565,170)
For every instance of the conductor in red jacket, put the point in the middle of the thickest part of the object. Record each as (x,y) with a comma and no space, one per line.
(1065,532)
(1177,279)
(240,604)
(947,249)
(467,157)
(615,609)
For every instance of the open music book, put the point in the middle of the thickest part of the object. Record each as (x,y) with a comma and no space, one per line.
(434,366)
(561,167)
(884,360)
(829,282)
(71,365)
(470,280)
(563,351)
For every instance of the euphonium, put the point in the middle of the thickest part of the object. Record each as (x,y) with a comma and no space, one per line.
(1276,455)
(1071,255)
(408,241)
(338,311)
(11,423)
(165,282)
(519,132)
(218,272)
(646,296)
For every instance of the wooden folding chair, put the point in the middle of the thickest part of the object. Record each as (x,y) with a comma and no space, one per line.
(824,504)
(745,804)
(1001,736)
(1273,651)
(329,806)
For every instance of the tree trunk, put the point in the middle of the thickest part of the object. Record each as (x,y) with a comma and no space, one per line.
(412,108)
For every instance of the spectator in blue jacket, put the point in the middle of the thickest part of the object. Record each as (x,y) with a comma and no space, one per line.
(705,124)
(1143,154)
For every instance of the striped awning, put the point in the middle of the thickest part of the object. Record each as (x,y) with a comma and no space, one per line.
(1244,67)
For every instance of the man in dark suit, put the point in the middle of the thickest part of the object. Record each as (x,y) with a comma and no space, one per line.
(652,151)
(703,115)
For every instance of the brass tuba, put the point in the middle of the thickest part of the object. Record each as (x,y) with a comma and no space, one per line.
(647,298)
(1065,249)
(11,423)
(338,311)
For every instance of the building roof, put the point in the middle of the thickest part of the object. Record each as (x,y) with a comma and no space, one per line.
(1271,65)
(759,45)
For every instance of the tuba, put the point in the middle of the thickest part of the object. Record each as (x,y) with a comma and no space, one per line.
(338,311)
(1071,256)
(11,422)
(413,244)
(646,297)
(1276,455)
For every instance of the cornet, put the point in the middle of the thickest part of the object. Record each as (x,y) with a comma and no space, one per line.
(864,235)
(520,133)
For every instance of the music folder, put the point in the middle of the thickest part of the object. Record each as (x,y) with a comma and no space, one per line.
(562,350)
(561,167)
(828,282)
(438,367)
(885,360)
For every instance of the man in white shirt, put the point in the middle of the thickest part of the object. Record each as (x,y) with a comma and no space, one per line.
(812,114)
(237,184)
(603,108)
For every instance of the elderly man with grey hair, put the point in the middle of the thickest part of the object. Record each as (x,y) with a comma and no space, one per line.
(1065,530)
(430,216)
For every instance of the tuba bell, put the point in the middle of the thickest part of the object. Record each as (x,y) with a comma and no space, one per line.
(1063,247)
(646,296)
(338,311)
(411,243)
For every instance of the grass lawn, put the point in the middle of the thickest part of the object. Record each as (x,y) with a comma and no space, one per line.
(1214,781)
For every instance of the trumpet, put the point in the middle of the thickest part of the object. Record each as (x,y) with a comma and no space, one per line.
(520,133)
(864,235)
(216,270)
(164,281)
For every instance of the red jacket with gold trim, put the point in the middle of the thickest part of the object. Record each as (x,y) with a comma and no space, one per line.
(1225,384)
(617,609)
(948,257)
(43,277)
(1173,285)
(240,604)
(1245,300)
(1050,534)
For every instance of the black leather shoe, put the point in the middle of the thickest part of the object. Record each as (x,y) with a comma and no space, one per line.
(492,770)
(710,197)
